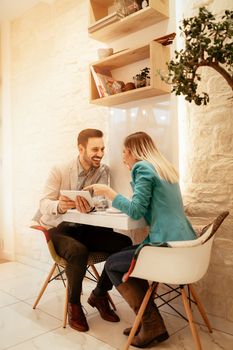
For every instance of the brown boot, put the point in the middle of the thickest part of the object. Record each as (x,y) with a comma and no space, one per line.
(152,325)
(127,330)
(102,304)
(153,328)
(76,318)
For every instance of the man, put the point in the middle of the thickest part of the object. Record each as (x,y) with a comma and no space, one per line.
(74,241)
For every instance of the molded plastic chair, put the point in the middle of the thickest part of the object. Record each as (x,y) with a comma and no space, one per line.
(60,264)
(183,263)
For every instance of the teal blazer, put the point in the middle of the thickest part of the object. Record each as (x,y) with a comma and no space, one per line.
(159,202)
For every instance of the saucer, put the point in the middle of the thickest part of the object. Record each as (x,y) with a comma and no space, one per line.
(113,210)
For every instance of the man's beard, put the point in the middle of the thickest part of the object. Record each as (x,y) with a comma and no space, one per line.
(90,161)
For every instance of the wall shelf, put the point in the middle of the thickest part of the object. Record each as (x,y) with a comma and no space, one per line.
(156,56)
(157,11)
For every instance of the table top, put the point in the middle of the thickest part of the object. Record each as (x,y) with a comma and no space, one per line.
(119,220)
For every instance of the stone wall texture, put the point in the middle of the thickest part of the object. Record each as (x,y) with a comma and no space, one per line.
(208,178)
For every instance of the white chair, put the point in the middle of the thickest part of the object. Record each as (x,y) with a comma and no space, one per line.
(183,264)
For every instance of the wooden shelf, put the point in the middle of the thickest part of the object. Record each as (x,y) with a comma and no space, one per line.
(157,11)
(157,56)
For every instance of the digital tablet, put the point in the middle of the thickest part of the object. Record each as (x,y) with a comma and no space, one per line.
(72,194)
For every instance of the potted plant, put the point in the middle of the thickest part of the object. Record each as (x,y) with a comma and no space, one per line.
(207,43)
(142,79)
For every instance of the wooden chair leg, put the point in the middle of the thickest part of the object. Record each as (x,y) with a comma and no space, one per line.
(190,319)
(200,307)
(95,272)
(139,317)
(98,277)
(66,307)
(45,285)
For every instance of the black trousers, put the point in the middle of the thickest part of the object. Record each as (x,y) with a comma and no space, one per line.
(73,243)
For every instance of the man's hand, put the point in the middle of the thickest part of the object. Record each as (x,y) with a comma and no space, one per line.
(64,204)
(82,205)
(102,190)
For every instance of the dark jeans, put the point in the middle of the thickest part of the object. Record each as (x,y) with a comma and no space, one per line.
(73,243)
(118,264)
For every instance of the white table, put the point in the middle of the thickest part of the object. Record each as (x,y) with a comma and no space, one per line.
(118,221)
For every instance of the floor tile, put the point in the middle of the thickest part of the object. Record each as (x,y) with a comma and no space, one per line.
(209,341)
(112,333)
(13,269)
(53,302)
(19,322)
(28,286)
(63,340)
(6,299)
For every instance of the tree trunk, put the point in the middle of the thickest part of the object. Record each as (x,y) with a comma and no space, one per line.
(220,70)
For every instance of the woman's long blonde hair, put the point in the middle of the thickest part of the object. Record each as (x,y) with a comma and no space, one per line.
(142,147)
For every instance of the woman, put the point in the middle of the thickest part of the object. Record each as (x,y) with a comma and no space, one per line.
(157,198)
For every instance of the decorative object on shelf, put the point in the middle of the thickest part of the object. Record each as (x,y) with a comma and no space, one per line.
(113,86)
(122,85)
(98,82)
(105,52)
(105,21)
(208,42)
(106,85)
(127,7)
(166,39)
(119,6)
(129,86)
(144,4)
(142,79)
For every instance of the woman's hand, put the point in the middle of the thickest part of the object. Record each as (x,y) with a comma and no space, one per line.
(102,190)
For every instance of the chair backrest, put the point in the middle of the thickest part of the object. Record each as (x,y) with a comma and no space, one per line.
(194,242)
(178,265)
(173,265)
(57,259)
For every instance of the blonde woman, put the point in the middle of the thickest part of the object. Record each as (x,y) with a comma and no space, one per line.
(157,198)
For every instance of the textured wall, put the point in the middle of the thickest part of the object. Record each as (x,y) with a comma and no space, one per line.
(208,177)
(50,102)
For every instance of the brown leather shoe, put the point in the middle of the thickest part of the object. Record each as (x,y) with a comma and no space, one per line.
(102,304)
(76,318)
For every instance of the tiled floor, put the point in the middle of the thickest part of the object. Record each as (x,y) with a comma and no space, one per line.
(22,328)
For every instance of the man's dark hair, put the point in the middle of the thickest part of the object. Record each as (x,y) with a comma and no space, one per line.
(86,134)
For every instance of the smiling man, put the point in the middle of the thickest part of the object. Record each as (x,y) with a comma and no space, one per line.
(74,241)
